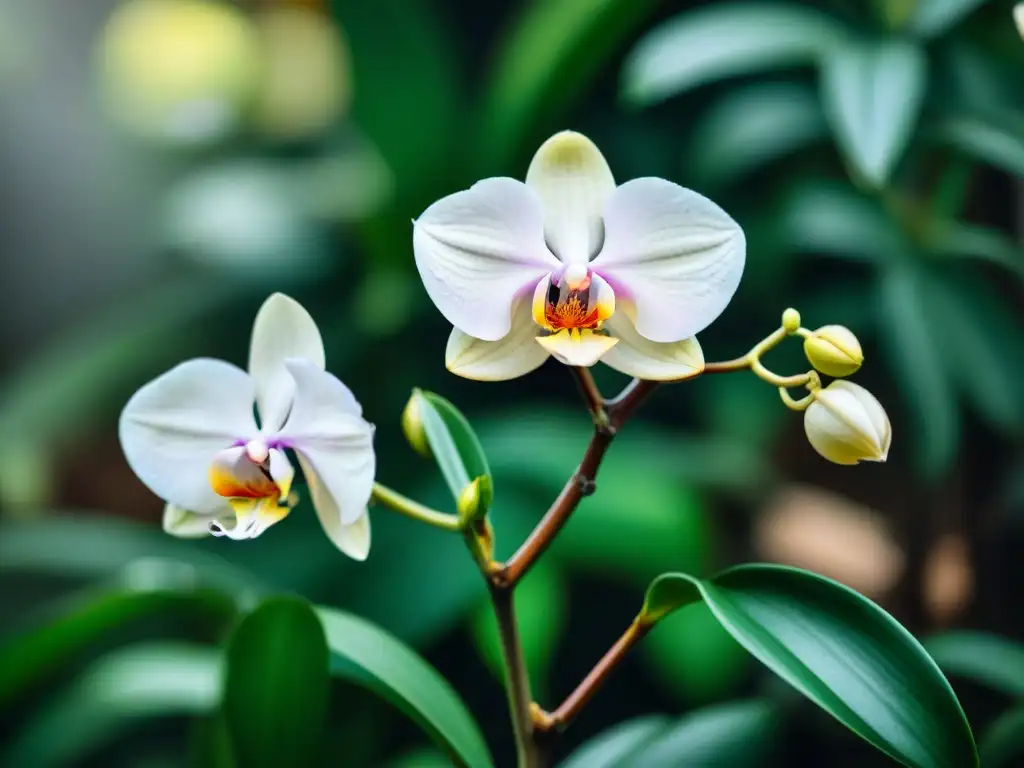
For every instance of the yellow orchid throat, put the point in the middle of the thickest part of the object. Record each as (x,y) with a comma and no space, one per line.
(573,309)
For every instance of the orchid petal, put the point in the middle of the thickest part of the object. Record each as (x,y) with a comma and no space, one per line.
(283,329)
(172,428)
(510,357)
(476,250)
(577,348)
(573,181)
(675,254)
(642,358)
(352,539)
(252,518)
(337,444)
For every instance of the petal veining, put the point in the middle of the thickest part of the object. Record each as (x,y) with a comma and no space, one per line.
(476,250)
(675,254)
(573,181)
(283,329)
(172,428)
(337,444)
(514,355)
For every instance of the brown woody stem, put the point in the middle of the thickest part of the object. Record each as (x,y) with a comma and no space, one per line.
(575,701)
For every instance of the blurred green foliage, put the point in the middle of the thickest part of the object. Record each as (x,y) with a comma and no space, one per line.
(873,154)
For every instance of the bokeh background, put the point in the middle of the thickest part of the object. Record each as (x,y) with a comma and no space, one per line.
(168,163)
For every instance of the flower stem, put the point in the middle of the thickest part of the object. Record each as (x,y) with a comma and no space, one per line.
(414,509)
(517,682)
(575,701)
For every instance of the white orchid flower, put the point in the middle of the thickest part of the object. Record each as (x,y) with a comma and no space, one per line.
(192,437)
(570,265)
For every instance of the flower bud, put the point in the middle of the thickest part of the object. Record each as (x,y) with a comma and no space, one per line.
(834,350)
(790,320)
(847,425)
(1018,16)
(412,425)
(475,500)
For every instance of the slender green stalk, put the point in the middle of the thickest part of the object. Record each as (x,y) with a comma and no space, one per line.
(415,510)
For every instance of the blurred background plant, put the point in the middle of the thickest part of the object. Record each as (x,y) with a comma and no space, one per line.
(167,163)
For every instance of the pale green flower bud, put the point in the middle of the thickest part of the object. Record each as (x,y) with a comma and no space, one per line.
(790,320)
(834,350)
(847,425)
(412,425)
(475,500)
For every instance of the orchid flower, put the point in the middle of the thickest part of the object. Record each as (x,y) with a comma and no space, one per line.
(570,265)
(191,436)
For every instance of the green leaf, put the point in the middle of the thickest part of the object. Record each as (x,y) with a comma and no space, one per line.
(366,655)
(552,53)
(452,441)
(833,219)
(751,126)
(872,94)
(840,650)
(113,694)
(1003,741)
(998,146)
(725,40)
(277,684)
(953,239)
(738,733)
(611,747)
(933,17)
(983,362)
(987,659)
(910,342)
(694,657)
(32,656)
(541,608)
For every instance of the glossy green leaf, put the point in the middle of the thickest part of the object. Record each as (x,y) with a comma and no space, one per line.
(68,630)
(872,94)
(452,441)
(833,219)
(990,142)
(610,748)
(991,660)
(914,353)
(541,602)
(1002,744)
(736,734)
(841,651)
(933,17)
(550,55)
(694,658)
(276,685)
(958,239)
(115,693)
(752,126)
(723,40)
(366,655)
(985,364)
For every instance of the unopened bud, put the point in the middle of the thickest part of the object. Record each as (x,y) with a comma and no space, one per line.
(790,320)
(412,425)
(847,425)
(475,500)
(1018,16)
(834,350)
